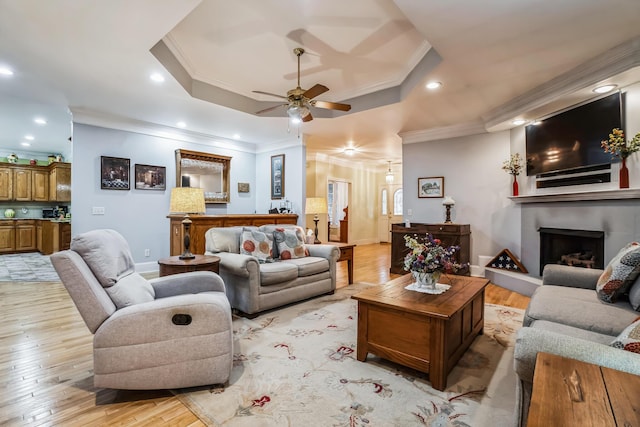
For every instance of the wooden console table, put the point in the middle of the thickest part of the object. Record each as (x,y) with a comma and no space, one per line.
(569,392)
(201,223)
(449,234)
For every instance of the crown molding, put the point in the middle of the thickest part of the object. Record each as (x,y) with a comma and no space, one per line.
(614,61)
(110,121)
(454,131)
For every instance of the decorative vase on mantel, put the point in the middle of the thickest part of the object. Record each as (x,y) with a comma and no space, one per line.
(624,174)
(515,185)
(426,280)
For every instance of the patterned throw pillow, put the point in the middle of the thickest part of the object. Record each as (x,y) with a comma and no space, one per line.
(290,243)
(257,244)
(620,273)
(629,339)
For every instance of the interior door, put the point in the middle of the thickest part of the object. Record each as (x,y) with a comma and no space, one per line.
(389,210)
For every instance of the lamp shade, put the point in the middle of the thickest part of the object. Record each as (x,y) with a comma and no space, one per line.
(316,205)
(187,200)
(448,201)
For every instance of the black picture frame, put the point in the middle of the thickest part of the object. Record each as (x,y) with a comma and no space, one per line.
(431,187)
(277,177)
(114,173)
(149,177)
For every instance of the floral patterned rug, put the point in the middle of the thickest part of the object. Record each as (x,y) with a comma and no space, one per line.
(297,366)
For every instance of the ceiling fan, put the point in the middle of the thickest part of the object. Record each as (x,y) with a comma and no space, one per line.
(300,100)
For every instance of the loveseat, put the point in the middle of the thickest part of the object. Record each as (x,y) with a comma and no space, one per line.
(568,316)
(270,266)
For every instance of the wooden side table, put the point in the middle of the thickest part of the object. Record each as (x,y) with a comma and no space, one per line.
(568,392)
(346,254)
(175,265)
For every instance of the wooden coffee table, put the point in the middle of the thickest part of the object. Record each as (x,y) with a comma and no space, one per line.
(425,332)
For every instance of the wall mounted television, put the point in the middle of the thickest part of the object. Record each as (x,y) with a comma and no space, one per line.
(570,141)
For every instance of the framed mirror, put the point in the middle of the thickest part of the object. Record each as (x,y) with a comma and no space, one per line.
(204,170)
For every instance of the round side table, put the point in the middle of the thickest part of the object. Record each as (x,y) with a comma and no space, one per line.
(175,265)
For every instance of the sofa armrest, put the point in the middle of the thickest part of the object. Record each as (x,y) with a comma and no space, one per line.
(564,275)
(238,264)
(187,283)
(531,341)
(152,321)
(330,252)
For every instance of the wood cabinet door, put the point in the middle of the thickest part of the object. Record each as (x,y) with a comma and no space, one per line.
(60,183)
(6,183)
(7,238)
(22,185)
(39,236)
(40,186)
(25,237)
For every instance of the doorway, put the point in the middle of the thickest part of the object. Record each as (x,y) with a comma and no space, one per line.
(338,199)
(389,210)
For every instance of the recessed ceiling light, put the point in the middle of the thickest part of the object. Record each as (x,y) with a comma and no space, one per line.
(433,85)
(518,122)
(536,122)
(6,71)
(605,88)
(181,124)
(349,151)
(25,144)
(157,77)
(236,136)
(40,121)
(29,137)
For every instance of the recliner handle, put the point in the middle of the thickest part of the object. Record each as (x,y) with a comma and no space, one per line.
(181,319)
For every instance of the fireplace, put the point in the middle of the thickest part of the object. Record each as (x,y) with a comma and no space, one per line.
(578,248)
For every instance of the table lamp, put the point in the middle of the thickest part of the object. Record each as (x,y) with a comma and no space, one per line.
(187,200)
(448,202)
(315,206)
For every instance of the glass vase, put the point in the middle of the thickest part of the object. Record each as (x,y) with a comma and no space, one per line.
(624,174)
(426,280)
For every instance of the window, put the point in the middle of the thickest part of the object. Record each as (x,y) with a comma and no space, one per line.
(384,202)
(397,202)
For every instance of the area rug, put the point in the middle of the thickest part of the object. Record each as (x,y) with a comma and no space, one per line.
(27,267)
(297,366)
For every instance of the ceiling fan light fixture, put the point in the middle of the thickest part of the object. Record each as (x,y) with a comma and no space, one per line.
(297,111)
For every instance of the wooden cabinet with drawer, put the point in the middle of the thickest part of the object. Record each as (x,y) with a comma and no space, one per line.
(449,235)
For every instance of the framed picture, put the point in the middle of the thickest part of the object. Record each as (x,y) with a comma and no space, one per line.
(150,177)
(277,176)
(432,186)
(114,173)
(243,187)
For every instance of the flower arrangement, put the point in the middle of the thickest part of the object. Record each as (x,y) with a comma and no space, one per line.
(514,165)
(617,146)
(427,256)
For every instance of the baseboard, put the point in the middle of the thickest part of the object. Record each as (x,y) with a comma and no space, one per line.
(147,267)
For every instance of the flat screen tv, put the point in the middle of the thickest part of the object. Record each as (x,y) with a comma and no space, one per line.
(571,140)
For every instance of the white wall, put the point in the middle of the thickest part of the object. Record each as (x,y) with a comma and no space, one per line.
(473,177)
(141,215)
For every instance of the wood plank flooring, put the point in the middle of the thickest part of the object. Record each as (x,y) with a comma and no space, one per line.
(46,358)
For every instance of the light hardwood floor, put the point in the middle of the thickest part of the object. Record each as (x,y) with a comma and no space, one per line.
(46,357)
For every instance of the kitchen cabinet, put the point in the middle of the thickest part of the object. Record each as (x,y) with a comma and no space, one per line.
(7,236)
(60,182)
(39,235)
(25,235)
(22,184)
(40,185)
(56,236)
(6,183)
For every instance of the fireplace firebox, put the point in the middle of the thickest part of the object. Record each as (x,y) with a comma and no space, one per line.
(578,248)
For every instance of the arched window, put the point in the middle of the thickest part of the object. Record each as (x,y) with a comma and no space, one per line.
(397,202)
(384,202)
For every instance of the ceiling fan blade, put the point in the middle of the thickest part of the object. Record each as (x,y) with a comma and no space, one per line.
(316,90)
(270,94)
(271,108)
(307,118)
(331,105)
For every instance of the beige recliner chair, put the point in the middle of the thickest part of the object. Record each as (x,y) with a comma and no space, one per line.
(169,332)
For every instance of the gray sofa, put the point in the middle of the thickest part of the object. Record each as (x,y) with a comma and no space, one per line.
(254,284)
(565,317)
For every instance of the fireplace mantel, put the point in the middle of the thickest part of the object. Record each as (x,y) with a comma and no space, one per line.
(627,193)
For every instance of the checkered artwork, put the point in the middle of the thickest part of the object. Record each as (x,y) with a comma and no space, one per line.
(505,260)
